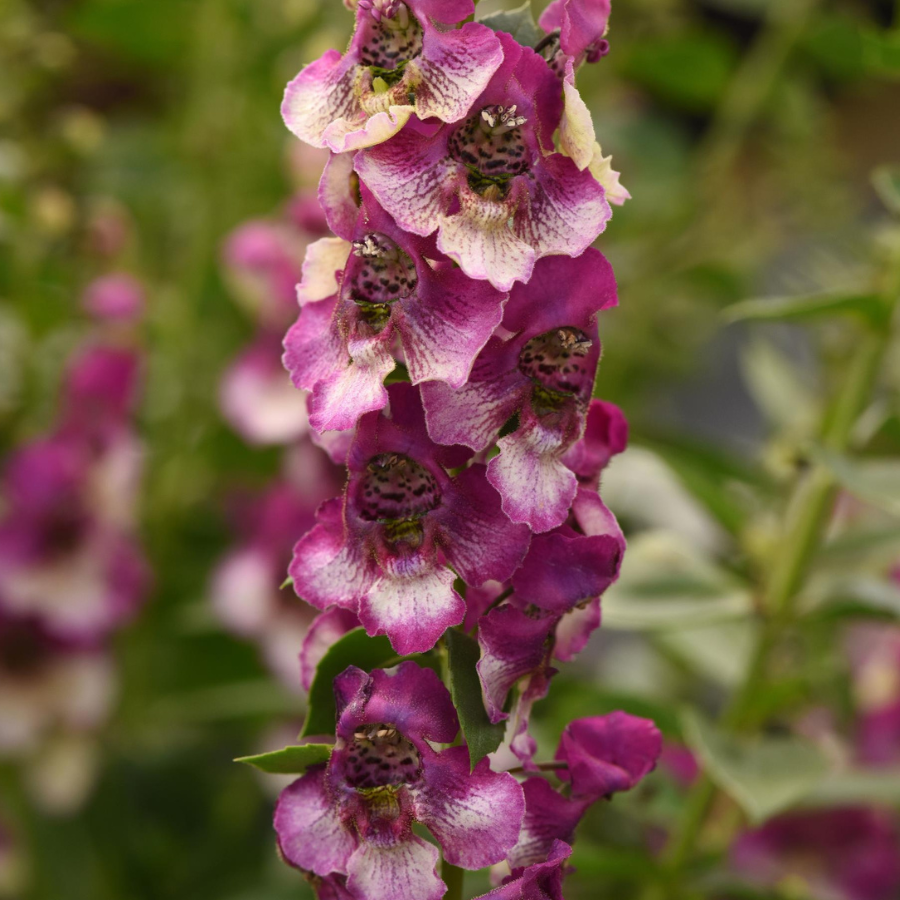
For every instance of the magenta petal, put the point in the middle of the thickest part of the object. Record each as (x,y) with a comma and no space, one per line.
(404,870)
(327,629)
(337,194)
(313,351)
(310,833)
(413,605)
(594,518)
(607,754)
(481,543)
(411,177)
(580,22)
(549,817)
(321,94)
(475,816)
(474,414)
(605,436)
(446,325)
(575,629)
(327,567)
(560,571)
(447,11)
(455,66)
(409,697)
(118,297)
(567,212)
(536,487)
(513,644)
(539,881)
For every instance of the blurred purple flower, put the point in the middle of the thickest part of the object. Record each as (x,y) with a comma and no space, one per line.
(117,297)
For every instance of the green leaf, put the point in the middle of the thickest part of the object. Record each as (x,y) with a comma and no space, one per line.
(465,689)
(881,51)
(666,583)
(718,652)
(864,591)
(355,648)
(875,480)
(809,306)
(858,786)
(886,179)
(764,775)
(289,760)
(518,22)
(286,582)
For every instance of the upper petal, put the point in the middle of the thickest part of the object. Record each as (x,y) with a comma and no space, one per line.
(323,92)
(476,816)
(325,260)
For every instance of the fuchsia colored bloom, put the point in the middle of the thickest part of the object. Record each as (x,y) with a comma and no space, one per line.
(605,755)
(257,397)
(839,854)
(381,552)
(246,586)
(539,881)
(581,27)
(47,683)
(354,816)
(554,608)
(493,187)
(116,297)
(342,347)
(67,555)
(543,374)
(402,60)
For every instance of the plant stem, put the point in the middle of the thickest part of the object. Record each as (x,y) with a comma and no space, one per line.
(453,877)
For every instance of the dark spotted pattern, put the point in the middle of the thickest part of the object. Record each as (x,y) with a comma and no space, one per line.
(385,272)
(396,488)
(557,361)
(492,155)
(379,756)
(390,45)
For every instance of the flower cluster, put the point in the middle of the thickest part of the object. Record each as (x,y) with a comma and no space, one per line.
(448,343)
(71,569)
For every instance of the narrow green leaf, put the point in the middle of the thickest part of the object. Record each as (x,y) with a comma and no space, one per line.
(518,22)
(764,775)
(465,689)
(812,306)
(287,581)
(875,480)
(355,648)
(667,583)
(856,786)
(886,179)
(289,760)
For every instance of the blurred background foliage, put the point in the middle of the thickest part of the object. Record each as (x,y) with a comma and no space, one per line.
(747,132)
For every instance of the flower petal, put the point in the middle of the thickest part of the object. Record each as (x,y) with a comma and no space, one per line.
(475,816)
(454,68)
(605,435)
(402,871)
(338,194)
(549,817)
(481,543)
(310,833)
(607,754)
(349,135)
(322,93)
(412,699)
(327,629)
(575,629)
(325,259)
(446,325)
(512,645)
(327,567)
(413,605)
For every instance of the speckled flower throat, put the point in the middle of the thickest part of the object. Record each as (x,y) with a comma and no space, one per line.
(396,488)
(394,36)
(490,145)
(379,756)
(557,361)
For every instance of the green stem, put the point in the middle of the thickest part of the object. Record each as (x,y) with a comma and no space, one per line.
(453,877)
(808,514)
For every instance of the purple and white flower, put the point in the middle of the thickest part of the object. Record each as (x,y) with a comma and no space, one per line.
(382,551)
(492,185)
(403,59)
(538,881)
(388,299)
(354,816)
(543,375)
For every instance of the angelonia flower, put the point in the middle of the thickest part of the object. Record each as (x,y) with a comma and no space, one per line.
(448,341)
(72,571)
